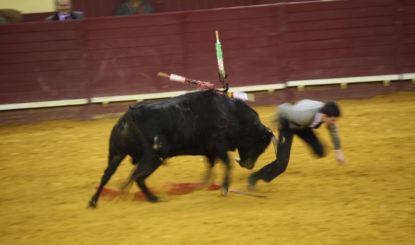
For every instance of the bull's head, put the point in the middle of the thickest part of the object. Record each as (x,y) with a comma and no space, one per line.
(253,137)
(252,147)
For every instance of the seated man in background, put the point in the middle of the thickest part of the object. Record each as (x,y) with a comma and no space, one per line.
(133,7)
(64,12)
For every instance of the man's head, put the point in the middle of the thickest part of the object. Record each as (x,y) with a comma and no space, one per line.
(331,112)
(63,6)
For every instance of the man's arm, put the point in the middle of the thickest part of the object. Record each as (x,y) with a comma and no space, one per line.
(334,134)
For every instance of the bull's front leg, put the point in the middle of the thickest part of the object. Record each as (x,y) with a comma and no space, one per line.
(226,178)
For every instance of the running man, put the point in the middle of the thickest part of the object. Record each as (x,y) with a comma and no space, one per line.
(300,119)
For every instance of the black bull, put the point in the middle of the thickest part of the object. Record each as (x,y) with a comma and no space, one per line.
(204,123)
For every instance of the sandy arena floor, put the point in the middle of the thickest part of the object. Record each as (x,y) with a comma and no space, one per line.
(48,172)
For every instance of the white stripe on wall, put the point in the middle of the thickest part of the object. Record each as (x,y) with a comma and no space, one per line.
(254,88)
(136,97)
(342,80)
(43,104)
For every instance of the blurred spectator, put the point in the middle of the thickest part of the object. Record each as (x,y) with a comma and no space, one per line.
(64,12)
(8,16)
(132,7)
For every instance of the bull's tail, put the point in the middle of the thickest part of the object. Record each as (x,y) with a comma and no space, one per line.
(113,163)
(127,184)
(274,141)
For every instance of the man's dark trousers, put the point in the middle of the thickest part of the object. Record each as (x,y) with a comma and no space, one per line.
(285,139)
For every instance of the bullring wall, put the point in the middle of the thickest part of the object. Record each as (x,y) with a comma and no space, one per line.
(263,45)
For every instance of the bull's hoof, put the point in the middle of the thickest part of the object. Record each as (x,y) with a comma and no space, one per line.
(92,204)
(153,199)
(224,192)
(252,182)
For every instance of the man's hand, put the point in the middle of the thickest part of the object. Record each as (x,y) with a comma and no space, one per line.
(339,156)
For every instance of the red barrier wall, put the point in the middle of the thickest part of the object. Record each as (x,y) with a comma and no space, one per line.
(262,45)
(341,39)
(41,61)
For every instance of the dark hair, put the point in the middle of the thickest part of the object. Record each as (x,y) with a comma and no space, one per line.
(331,109)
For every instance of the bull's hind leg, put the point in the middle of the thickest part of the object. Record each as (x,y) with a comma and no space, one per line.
(145,169)
(113,163)
(208,175)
